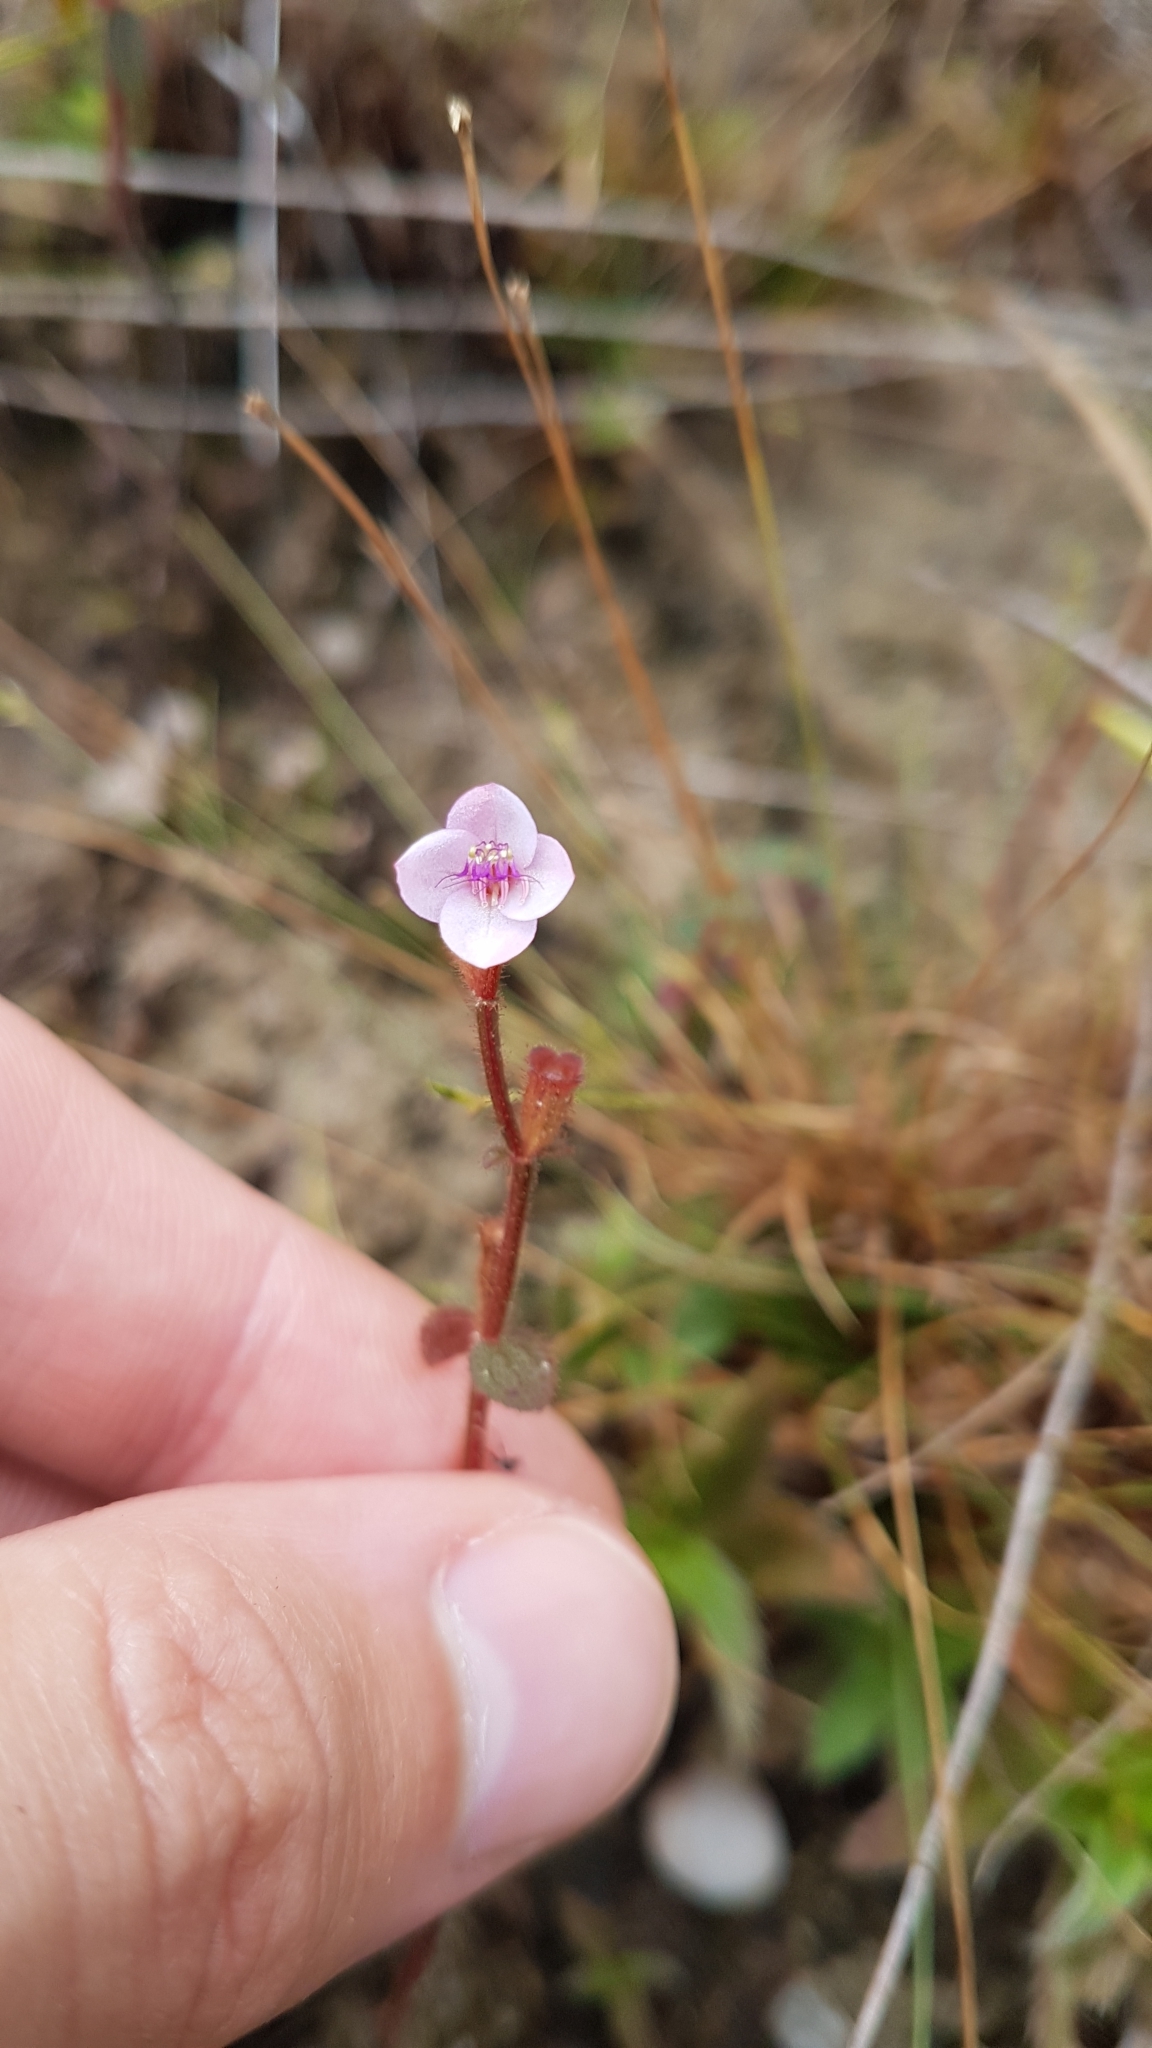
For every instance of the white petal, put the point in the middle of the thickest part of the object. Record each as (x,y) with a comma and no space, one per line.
(547,881)
(425,874)
(492,812)
(482,936)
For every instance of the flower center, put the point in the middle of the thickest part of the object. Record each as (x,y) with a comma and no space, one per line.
(490,872)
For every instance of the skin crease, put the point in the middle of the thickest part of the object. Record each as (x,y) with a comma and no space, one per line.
(234,1748)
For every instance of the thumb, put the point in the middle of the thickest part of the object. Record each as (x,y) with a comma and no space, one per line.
(250,1733)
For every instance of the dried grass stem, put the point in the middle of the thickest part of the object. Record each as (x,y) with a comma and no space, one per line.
(515,318)
(1028,1521)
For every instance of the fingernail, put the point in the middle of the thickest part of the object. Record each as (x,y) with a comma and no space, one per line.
(564,1657)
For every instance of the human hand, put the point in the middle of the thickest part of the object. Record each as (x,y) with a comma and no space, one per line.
(293,1686)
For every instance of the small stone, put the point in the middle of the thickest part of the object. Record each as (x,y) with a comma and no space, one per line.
(343,641)
(291,759)
(800,2017)
(717,1838)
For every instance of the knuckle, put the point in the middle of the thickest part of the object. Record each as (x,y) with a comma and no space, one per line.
(217,1722)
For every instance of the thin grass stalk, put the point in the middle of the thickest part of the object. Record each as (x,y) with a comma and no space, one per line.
(1055,890)
(979,980)
(1114,438)
(1002,1402)
(387,448)
(438,520)
(330,708)
(892,1402)
(326,701)
(533,367)
(805,1247)
(923,1981)
(1028,1519)
(74,708)
(258,233)
(760,491)
(200,870)
(397,567)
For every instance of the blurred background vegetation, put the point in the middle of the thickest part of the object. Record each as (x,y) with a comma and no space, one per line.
(857,1066)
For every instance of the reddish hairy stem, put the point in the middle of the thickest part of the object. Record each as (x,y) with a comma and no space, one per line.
(492,1056)
(475,1444)
(498,1273)
(500,1258)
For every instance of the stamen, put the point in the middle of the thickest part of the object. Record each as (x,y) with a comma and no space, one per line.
(490,872)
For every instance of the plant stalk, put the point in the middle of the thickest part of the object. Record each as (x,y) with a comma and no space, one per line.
(499,1253)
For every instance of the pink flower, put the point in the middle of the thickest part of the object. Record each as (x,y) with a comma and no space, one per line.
(486,878)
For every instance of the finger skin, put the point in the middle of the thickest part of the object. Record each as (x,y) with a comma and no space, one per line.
(232,1747)
(166,1325)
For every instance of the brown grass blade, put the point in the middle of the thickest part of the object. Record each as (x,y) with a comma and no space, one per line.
(81,713)
(1028,1520)
(1055,890)
(797,1215)
(201,871)
(440,630)
(533,367)
(326,701)
(1115,440)
(759,487)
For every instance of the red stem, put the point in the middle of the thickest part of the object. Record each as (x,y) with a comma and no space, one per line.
(498,1263)
(498,1275)
(492,1056)
(475,1443)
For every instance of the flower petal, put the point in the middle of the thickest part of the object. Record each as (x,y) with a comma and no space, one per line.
(424,875)
(545,884)
(492,812)
(482,936)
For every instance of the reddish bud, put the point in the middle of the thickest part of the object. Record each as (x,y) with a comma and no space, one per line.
(550,1081)
(445,1333)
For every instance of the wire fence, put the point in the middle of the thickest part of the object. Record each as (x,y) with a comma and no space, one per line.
(798,355)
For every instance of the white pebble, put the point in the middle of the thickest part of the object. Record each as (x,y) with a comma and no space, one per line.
(343,641)
(801,2017)
(717,1838)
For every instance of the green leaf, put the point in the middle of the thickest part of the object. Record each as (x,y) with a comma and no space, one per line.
(713,1599)
(874,1702)
(707,1321)
(854,1716)
(605,1978)
(466,1097)
(722,1477)
(1105,1823)
(710,1320)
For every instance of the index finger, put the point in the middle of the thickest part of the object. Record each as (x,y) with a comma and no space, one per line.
(166,1325)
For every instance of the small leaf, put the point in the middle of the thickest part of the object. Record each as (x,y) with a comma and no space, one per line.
(854,1715)
(446,1333)
(515,1371)
(708,1593)
(466,1097)
(605,1978)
